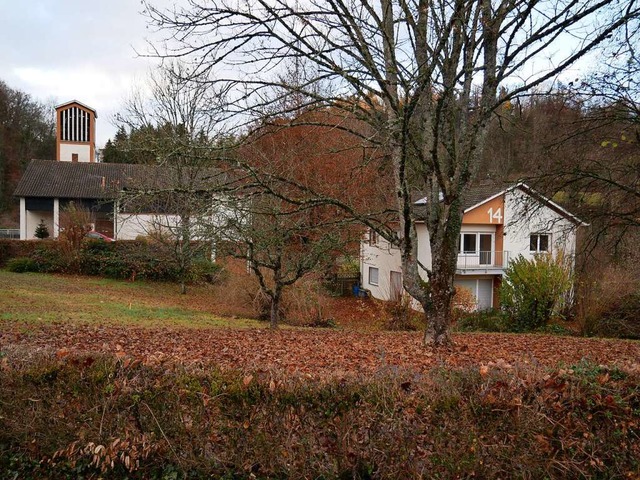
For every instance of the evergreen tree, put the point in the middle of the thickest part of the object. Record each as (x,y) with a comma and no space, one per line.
(42,231)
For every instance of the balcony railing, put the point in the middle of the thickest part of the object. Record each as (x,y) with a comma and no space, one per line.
(483,260)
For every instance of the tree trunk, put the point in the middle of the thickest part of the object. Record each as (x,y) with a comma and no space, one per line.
(444,252)
(275,310)
(438,313)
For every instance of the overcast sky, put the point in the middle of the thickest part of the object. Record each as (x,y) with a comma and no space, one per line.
(60,50)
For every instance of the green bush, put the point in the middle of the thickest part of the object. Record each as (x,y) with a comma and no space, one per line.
(51,260)
(532,290)
(22,265)
(485,321)
(203,270)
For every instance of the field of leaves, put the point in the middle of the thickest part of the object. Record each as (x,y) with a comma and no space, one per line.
(66,315)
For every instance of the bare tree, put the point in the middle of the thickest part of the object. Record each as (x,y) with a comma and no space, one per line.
(423,75)
(281,243)
(175,131)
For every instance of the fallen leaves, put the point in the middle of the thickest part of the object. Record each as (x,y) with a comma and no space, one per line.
(316,352)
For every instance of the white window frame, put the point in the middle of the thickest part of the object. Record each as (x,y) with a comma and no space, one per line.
(377,276)
(477,234)
(538,235)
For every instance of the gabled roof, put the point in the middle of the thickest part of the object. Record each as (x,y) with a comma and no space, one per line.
(78,180)
(70,102)
(474,195)
(53,179)
(549,203)
(479,194)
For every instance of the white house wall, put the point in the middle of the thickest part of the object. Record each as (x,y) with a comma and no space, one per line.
(386,259)
(524,216)
(129,226)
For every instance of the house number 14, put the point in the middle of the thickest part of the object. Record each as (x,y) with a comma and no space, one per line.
(497,215)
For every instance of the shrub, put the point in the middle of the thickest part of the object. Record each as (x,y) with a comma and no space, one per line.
(463,303)
(22,265)
(400,316)
(203,270)
(485,321)
(306,305)
(532,290)
(622,319)
(24,248)
(603,299)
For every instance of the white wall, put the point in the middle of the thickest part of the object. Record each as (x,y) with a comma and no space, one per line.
(523,216)
(386,259)
(33,220)
(83,151)
(130,226)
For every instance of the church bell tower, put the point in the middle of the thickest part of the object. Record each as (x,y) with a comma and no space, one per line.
(76,132)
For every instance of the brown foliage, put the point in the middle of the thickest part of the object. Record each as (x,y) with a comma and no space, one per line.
(98,416)
(316,352)
(319,151)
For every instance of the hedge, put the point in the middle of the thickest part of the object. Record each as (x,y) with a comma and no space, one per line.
(128,259)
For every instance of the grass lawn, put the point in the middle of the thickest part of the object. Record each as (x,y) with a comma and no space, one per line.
(41,298)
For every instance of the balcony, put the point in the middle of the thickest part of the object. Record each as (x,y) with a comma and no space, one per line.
(490,261)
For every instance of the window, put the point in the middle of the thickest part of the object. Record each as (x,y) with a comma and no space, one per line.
(373,276)
(373,237)
(74,158)
(469,244)
(539,242)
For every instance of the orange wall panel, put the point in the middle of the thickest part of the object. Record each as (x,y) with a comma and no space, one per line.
(489,213)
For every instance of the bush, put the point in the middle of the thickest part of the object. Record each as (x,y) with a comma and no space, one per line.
(532,290)
(485,321)
(123,260)
(622,319)
(400,316)
(51,259)
(606,299)
(463,304)
(22,265)
(22,248)
(203,270)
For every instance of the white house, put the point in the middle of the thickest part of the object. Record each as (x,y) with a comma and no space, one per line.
(498,225)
